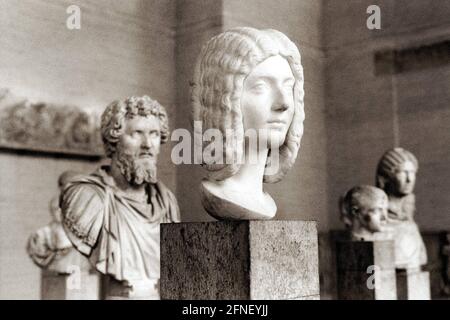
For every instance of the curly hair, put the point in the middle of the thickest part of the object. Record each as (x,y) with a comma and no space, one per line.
(389,162)
(113,118)
(220,71)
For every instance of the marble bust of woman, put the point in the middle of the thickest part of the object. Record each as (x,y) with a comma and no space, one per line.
(396,175)
(248,86)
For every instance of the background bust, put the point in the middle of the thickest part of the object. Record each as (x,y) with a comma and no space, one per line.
(396,174)
(364,213)
(248,79)
(49,246)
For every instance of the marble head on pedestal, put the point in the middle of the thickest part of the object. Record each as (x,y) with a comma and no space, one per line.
(224,65)
(364,211)
(396,172)
(396,175)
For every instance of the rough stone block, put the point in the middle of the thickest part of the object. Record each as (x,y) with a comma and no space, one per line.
(361,285)
(359,255)
(366,270)
(240,260)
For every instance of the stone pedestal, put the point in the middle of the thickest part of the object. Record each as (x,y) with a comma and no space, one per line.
(240,260)
(413,284)
(80,285)
(70,277)
(366,270)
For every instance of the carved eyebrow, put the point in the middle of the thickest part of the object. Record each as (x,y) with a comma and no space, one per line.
(271,78)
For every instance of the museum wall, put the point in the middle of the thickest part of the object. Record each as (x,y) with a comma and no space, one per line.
(123,48)
(369,110)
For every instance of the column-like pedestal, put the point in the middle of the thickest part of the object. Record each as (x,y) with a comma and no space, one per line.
(366,270)
(70,278)
(240,260)
(413,284)
(75,286)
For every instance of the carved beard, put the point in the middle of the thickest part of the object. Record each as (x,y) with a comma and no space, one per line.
(135,170)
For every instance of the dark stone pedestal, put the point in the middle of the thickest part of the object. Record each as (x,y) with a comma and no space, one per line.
(366,270)
(240,260)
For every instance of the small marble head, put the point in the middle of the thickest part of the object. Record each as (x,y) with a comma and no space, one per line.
(396,172)
(364,208)
(132,132)
(218,89)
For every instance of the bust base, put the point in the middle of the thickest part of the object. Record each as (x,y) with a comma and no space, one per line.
(240,260)
(366,270)
(413,284)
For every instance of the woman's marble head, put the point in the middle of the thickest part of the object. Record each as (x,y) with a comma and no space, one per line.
(226,72)
(396,172)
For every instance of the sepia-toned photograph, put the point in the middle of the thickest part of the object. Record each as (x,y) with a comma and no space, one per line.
(194,150)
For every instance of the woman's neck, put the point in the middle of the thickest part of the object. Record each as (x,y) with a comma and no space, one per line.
(251,172)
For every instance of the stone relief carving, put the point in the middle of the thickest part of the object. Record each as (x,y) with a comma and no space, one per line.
(396,175)
(48,127)
(248,80)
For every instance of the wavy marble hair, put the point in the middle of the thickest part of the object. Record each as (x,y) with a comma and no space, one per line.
(220,71)
(115,114)
(389,162)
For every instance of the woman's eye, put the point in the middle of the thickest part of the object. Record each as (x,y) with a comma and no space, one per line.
(259,87)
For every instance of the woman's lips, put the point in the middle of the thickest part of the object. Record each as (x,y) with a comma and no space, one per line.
(276,124)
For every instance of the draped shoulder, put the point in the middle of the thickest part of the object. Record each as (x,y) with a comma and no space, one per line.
(82,206)
(170,204)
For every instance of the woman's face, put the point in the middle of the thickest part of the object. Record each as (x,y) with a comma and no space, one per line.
(404,178)
(267,101)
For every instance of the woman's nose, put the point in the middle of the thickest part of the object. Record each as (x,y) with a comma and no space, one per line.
(408,176)
(281,101)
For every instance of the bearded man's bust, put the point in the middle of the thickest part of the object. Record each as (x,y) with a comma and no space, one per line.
(113,215)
